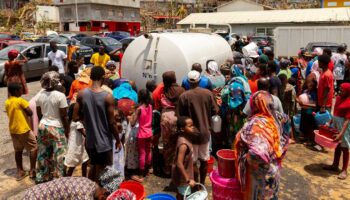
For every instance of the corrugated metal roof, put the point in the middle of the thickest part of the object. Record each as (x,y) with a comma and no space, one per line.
(270,16)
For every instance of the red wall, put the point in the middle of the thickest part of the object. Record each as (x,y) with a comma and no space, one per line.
(132,27)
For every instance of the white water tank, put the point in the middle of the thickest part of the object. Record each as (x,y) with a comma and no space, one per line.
(148,58)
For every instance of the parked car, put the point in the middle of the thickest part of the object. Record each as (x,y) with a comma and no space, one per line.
(5,36)
(310,47)
(45,39)
(80,36)
(6,43)
(95,42)
(262,41)
(29,36)
(127,41)
(118,35)
(102,34)
(83,50)
(36,53)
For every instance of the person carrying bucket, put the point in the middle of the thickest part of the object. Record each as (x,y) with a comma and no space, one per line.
(182,169)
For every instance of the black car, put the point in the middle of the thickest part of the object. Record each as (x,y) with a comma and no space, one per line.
(79,36)
(95,42)
(44,39)
(110,44)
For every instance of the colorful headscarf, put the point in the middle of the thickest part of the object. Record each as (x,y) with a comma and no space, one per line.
(50,80)
(125,91)
(12,54)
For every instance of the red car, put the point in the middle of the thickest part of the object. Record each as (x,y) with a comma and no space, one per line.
(6,43)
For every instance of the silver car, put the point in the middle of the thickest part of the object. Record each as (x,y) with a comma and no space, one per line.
(36,53)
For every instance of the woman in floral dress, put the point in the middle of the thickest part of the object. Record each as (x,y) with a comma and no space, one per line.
(260,147)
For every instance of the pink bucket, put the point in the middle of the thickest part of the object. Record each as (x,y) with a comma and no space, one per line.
(225,188)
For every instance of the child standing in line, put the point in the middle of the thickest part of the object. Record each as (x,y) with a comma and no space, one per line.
(76,153)
(18,112)
(119,156)
(143,115)
(182,170)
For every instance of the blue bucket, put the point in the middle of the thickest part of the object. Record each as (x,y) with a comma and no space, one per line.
(161,196)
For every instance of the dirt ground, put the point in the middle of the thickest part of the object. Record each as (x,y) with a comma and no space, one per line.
(302,174)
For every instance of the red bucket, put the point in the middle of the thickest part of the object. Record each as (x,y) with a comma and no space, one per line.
(134,187)
(226,163)
(211,162)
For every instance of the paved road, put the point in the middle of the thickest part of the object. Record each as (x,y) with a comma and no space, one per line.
(302,175)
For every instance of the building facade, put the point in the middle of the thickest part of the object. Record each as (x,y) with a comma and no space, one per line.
(99,15)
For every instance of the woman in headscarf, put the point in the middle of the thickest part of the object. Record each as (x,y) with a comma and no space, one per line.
(14,72)
(53,129)
(234,97)
(169,98)
(314,73)
(260,147)
(213,73)
(341,121)
(218,80)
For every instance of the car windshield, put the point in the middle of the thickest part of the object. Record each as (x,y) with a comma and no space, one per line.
(4,52)
(60,40)
(110,41)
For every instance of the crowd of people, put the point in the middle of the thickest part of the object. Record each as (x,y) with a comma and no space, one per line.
(90,116)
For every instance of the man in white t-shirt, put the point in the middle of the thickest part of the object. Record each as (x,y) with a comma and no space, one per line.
(57,57)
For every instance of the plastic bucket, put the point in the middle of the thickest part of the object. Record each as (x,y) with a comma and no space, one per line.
(161,196)
(225,188)
(226,163)
(134,187)
(211,162)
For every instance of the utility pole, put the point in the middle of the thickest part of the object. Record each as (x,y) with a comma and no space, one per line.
(76,13)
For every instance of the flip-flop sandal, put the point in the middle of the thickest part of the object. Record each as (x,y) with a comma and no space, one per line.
(19,178)
(342,176)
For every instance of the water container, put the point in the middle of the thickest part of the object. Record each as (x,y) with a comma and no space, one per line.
(226,163)
(161,196)
(216,123)
(225,188)
(322,118)
(134,187)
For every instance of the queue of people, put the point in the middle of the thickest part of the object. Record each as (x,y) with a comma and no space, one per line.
(90,116)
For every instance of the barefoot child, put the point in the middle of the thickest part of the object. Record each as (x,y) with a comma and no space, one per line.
(18,112)
(182,170)
(76,153)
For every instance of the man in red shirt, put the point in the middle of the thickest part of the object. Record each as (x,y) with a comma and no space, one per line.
(325,85)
